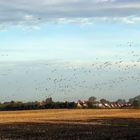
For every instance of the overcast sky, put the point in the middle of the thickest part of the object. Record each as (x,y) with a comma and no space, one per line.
(85,11)
(69,49)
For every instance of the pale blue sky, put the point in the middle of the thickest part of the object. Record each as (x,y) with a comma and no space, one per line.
(66,40)
(90,47)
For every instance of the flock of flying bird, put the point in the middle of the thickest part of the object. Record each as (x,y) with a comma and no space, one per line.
(94,77)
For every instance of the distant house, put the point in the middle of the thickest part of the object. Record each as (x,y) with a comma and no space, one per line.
(79,104)
(101,104)
(98,104)
(127,105)
(112,105)
(107,105)
(85,105)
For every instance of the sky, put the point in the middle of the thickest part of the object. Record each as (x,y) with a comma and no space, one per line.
(69,49)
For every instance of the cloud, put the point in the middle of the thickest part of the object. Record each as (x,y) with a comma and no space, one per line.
(34,12)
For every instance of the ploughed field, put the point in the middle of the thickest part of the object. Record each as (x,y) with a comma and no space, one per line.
(76,124)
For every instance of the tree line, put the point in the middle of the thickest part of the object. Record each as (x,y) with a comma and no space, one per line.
(47,104)
(50,104)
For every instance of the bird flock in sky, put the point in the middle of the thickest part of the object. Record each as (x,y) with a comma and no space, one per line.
(48,79)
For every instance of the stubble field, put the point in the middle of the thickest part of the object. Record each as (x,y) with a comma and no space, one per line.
(82,124)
